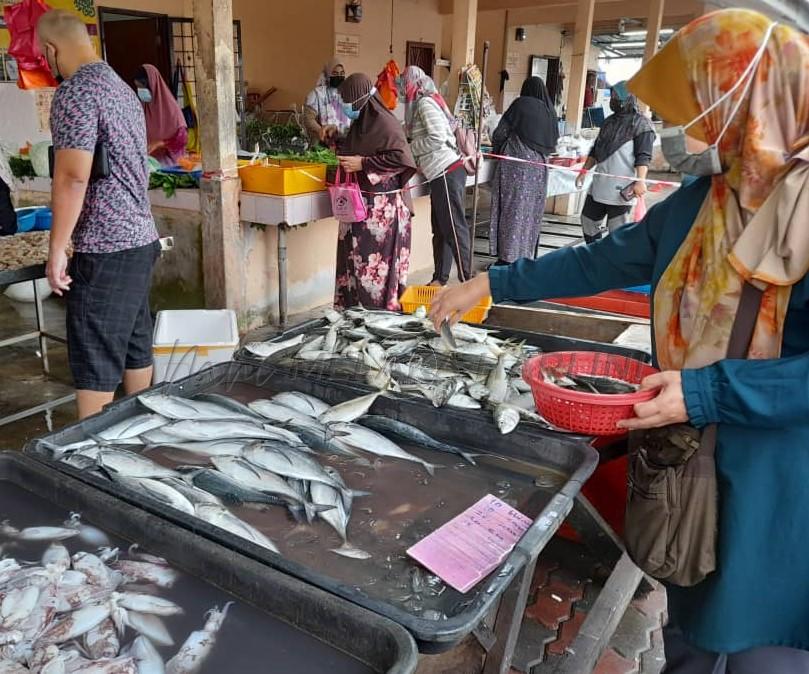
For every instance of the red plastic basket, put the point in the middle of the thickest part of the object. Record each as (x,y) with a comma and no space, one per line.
(587,413)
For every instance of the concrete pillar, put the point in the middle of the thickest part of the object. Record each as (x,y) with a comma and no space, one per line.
(578,70)
(220,186)
(464,25)
(653,24)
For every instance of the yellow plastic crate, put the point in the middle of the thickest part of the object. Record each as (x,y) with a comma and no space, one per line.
(284,178)
(416,296)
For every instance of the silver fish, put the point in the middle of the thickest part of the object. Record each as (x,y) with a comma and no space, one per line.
(253,475)
(132,427)
(196,648)
(267,349)
(447,336)
(332,315)
(375,443)
(403,348)
(497,383)
(336,517)
(302,402)
(315,344)
(227,402)
(350,409)
(224,519)
(179,409)
(160,491)
(317,355)
(330,340)
(506,417)
(463,402)
(290,464)
(194,494)
(374,356)
(129,464)
(275,411)
(477,391)
(206,448)
(410,433)
(226,430)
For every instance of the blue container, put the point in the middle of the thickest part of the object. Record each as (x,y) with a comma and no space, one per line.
(44,217)
(26,218)
(645,290)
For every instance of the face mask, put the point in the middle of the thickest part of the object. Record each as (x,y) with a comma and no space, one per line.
(348,108)
(144,95)
(708,162)
(53,64)
(400,86)
(336,80)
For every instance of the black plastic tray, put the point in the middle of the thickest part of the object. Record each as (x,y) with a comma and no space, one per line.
(374,643)
(569,456)
(30,273)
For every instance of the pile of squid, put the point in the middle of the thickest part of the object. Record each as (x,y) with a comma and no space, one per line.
(90,612)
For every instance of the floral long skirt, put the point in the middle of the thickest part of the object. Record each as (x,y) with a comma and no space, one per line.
(373,256)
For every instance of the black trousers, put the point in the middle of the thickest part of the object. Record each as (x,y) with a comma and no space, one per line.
(8,218)
(451,235)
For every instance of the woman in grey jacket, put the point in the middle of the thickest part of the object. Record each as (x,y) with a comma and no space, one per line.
(431,130)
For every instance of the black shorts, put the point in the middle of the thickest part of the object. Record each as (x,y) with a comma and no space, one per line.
(596,211)
(109,325)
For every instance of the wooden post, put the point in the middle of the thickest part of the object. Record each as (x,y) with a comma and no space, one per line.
(220,187)
(464,25)
(653,24)
(578,75)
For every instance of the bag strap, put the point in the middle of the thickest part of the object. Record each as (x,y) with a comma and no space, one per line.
(741,335)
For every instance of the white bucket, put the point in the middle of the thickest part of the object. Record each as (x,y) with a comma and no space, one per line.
(24,291)
(187,341)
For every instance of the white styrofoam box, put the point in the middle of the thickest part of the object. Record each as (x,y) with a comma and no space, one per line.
(187,341)
(24,291)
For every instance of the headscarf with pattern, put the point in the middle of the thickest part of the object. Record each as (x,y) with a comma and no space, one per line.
(752,225)
(418,84)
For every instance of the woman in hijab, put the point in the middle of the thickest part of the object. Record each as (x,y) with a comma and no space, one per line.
(739,83)
(431,129)
(373,255)
(528,130)
(166,130)
(323,115)
(623,148)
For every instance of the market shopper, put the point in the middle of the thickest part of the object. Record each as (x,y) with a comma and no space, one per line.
(743,219)
(430,126)
(166,129)
(373,256)
(528,130)
(104,207)
(323,115)
(623,148)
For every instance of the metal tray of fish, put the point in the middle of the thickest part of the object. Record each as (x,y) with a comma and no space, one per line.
(225,612)
(396,501)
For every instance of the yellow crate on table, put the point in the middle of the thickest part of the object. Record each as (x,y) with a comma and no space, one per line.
(283,178)
(416,296)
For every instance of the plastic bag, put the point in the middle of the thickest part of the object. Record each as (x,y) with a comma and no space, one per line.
(640,210)
(386,85)
(21,20)
(347,202)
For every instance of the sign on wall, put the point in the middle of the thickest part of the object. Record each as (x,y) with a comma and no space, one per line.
(346,45)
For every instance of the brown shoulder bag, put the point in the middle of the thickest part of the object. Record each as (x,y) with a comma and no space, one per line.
(672,503)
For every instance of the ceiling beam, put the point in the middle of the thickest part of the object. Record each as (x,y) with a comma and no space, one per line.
(605,12)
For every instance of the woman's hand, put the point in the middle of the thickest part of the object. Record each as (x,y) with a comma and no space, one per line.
(580,179)
(639,188)
(351,164)
(666,409)
(452,303)
(327,132)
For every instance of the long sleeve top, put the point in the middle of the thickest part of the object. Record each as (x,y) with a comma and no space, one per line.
(432,139)
(759,594)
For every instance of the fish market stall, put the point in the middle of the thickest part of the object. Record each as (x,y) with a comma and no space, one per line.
(22,259)
(378,483)
(140,591)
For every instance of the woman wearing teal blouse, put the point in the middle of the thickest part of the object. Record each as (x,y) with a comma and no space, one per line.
(741,84)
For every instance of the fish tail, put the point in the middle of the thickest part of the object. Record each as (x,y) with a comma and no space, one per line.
(470,458)
(356,493)
(430,467)
(348,550)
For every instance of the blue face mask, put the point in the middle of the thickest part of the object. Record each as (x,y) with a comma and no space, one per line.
(350,112)
(144,95)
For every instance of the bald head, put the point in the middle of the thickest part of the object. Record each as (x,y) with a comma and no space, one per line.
(60,28)
(65,42)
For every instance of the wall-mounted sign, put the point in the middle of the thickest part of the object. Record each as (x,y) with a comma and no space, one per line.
(346,45)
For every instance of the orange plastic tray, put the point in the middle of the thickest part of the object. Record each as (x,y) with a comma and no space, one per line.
(614,302)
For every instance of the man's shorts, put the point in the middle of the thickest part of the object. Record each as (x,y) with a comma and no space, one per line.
(596,211)
(109,325)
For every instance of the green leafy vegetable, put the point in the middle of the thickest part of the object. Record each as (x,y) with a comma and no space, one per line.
(171,182)
(21,167)
(322,155)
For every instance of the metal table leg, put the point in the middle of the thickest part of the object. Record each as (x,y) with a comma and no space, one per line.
(282,274)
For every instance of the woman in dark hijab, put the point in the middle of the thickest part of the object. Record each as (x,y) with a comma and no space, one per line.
(373,255)
(528,130)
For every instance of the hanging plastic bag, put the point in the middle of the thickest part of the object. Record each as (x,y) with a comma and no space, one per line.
(347,202)
(640,210)
(386,85)
(21,20)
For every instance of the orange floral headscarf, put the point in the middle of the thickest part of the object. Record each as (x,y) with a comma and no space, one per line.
(754,223)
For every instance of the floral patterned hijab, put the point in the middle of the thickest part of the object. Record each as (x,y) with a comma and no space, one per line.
(753,223)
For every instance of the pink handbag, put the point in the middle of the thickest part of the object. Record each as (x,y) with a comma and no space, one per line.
(347,202)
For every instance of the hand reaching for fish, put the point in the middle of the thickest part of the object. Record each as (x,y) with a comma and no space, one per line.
(666,409)
(452,303)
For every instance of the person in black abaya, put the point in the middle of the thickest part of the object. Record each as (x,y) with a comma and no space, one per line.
(528,130)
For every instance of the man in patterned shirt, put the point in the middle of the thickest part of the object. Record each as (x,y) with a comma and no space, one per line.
(106,212)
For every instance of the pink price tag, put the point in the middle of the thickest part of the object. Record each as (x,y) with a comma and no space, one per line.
(472,545)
